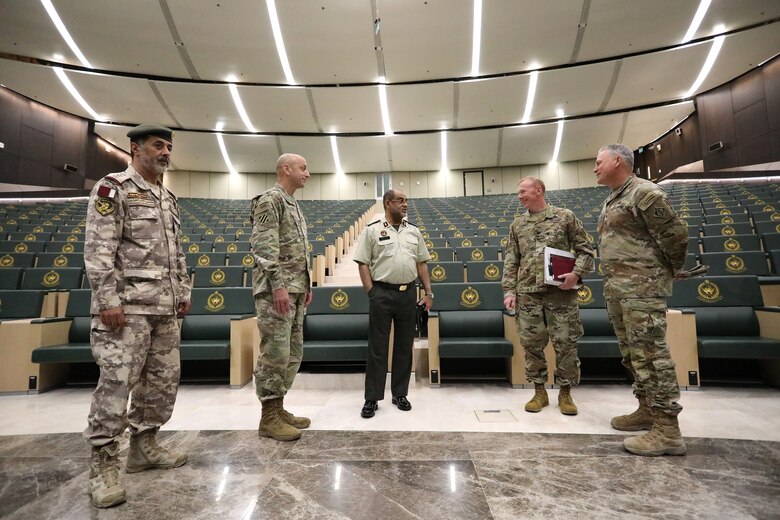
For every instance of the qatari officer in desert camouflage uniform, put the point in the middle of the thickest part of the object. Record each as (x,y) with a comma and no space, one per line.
(139,281)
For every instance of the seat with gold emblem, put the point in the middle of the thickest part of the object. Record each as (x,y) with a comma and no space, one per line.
(60,260)
(198,259)
(739,262)
(8,246)
(730,243)
(446,272)
(468,321)
(220,327)
(484,271)
(232,246)
(17,260)
(719,229)
(335,328)
(219,276)
(476,254)
(64,246)
(731,321)
(598,340)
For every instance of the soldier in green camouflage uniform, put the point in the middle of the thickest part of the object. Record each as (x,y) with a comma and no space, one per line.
(643,247)
(545,312)
(139,281)
(282,289)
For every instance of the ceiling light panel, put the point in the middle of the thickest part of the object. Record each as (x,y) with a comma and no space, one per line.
(420,152)
(475,149)
(316,150)
(584,137)
(349,55)
(645,125)
(115,41)
(365,154)
(490,101)
(411,53)
(529,144)
(476,37)
(419,107)
(251,153)
(349,109)
(240,108)
(566,86)
(513,30)
(60,25)
(247,49)
(281,50)
(698,17)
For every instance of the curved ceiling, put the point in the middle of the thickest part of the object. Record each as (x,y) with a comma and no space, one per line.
(615,68)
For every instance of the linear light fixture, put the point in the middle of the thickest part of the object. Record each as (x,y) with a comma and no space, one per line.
(277,30)
(222,149)
(476,37)
(444,166)
(64,32)
(75,93)
(240,108)
(334,148)
(717,43)
(558,137)
(696,22)
(529,102)
(383,106)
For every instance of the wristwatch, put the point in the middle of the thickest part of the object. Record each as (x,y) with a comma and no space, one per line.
(429,294)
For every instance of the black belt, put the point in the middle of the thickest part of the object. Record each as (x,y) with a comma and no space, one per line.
(394,286)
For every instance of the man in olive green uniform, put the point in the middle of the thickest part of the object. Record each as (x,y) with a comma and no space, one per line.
(139,281)
(643,247)
(391,254)
(545,312)
(282,290)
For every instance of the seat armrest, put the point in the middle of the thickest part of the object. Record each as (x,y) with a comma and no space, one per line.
(768,322)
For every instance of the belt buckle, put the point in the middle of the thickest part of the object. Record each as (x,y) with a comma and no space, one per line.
(402,288)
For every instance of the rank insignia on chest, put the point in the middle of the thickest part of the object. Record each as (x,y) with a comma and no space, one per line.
(383,233)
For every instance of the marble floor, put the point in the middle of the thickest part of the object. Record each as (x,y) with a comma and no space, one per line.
(464,451)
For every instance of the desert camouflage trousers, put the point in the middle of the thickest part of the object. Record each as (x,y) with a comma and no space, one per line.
(140,363)
(551,315)
(281,345)
(640,326)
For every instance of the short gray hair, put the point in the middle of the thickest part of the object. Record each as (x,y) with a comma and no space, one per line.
(622,151)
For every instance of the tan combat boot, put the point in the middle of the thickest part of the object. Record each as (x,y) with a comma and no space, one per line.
(297,422)
(640,419)
(272,425)
(663,439)
(145,454)
(565,402)
(103,488)
(538,401)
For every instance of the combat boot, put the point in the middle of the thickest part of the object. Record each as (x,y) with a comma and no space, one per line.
(663,439)
(640,419)
(145,454)
(297,422)
(272,425)
(103,488)
(538,401)
(565,402)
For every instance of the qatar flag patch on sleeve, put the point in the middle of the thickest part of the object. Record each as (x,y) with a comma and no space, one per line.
(106,192)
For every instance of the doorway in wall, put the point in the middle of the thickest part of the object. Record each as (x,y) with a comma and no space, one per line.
(384,181)
(473,183)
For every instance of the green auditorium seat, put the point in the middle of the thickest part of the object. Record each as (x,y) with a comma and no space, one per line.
(440,272)
(731,320)
(335,328)
(10,278)
(17,260)
(484,271)
(469,322)
(219,276)
(221,326)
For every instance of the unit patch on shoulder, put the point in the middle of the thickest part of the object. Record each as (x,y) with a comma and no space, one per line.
(648,200)
(104,206)
(659,212)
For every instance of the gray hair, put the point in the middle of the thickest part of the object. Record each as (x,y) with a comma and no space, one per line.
(625,153)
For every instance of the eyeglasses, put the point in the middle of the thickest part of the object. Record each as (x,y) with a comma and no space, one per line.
(400,201)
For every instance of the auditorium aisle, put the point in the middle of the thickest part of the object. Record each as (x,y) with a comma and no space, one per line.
(464,451)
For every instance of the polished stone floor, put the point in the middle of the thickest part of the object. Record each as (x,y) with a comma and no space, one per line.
(464,451)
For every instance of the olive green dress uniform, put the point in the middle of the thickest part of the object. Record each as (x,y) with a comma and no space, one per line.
(392,257)
(643,245)
(134,259)
(544,311)
(280,248)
